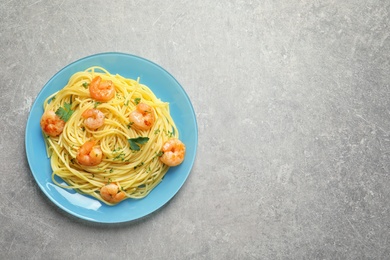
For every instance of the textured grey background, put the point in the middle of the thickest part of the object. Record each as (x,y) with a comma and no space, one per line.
(292,100)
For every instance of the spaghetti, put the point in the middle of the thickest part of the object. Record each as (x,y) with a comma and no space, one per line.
(130,163)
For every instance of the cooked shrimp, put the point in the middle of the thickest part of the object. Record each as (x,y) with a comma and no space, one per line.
(101,90)
(173,152)
(94,118)
(52,124)
(142,117)
(89,154)
(111,193)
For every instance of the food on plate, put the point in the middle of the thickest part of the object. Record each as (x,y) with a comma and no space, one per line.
(173,152)
(109,137)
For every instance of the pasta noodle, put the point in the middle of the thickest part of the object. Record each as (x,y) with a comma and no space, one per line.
(135,173)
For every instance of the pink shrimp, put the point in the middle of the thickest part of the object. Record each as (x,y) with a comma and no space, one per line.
(101,90)
(94,118)
(52,124)
(89,154)
(173,152)
(111,193)
(142,117)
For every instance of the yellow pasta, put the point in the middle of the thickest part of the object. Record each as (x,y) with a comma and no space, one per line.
(135,172)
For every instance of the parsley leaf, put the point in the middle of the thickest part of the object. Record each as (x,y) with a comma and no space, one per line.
(65,112)
(135,142)
(137,100)
(85,84)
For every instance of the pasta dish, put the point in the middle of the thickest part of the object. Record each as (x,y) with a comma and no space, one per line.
(109,137)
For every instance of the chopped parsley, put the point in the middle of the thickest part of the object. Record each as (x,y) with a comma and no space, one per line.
(85,84)
(117,149)
(138,165)
(65,112)
(137,100)
(120,157)
(118,154)
(96,104)
(135,142)
(169,133)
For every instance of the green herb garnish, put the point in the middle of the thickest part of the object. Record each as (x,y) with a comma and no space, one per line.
(120,157)
(137,100)
(138,165)
(65,112)
(96,104)
(135,142)
(169,133)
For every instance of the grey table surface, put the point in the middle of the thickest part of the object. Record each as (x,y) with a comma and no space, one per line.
(292,100)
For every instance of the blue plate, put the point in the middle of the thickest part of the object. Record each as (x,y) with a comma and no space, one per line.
(166,88)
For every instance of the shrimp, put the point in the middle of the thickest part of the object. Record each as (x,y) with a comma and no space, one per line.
(111,193)
(52,124)
(101,91)
(142,117)
(173,152)
(89,154)
(94,118)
